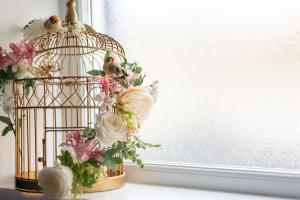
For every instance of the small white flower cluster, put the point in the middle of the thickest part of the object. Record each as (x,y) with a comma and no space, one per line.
(153,90)
(7,103)
(74,29)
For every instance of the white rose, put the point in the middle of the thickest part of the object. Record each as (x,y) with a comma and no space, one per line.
(56,181)
(110,128)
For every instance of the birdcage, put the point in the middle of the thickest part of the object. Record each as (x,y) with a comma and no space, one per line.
(61,100)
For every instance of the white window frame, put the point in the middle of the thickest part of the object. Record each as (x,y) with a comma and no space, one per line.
(260,182)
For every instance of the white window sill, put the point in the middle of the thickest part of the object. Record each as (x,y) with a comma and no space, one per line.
(132,191)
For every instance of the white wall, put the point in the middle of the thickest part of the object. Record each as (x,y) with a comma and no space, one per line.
(14,14)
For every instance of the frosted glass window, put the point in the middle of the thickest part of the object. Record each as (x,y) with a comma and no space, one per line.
(229,74)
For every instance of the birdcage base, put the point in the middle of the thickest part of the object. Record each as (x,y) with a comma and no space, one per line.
(109,183)
(27,182)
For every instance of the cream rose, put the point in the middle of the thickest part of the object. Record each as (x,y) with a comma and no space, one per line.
(56,181)
(137,100)
(110,128)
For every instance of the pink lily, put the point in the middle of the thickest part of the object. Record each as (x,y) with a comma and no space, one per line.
(82,149)
(23,51)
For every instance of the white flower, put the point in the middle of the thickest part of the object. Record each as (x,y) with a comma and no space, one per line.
(110,128)
(153,90)
(7,103)
(77,29)
(105,100)
(56,181)
(34,29)
(74,29)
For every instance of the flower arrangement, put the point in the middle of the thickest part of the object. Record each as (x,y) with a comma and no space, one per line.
(13,65)
(124,105)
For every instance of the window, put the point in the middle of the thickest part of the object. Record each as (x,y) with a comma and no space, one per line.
(229,74)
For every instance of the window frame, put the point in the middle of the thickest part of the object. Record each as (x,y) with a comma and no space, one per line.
(259,182)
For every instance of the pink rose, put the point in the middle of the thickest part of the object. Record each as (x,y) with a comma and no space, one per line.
(137,100)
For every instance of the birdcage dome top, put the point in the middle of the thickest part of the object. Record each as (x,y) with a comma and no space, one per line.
(85,40)
(70,45)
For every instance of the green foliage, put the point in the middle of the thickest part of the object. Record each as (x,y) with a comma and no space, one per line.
(7,130)
(139,81)
(111,159)
(9,75)
(6,77)
(66,158)
(5,120)
(29,83)
(89,133)
(96,72)
(138,70)
(9,127)
(128,150)
(86,173)
(125,63)
(127,116)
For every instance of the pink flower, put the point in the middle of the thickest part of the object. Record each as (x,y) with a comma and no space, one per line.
(83,150)
(105,101)
(108,85)
(4,58)
(23,51)
(131,76)
(137,100)
(73,139)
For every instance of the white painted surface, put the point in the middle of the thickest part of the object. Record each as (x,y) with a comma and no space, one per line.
(148,192)
(220,179)
(14,14)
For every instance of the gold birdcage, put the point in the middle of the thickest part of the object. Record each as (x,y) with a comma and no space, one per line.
(61,99)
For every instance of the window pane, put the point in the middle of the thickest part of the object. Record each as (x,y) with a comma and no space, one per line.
(229,74)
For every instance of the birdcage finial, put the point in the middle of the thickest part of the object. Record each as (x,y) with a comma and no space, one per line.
(71,15)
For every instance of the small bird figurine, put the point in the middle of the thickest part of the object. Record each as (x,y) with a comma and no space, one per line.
(53,24)
(111,69)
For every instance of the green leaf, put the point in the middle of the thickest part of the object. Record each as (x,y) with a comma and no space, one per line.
(89,133)
(28,85)
(7,130)
(5,120)
(10,75)
(66,158)
(138,70)
(139,81)
(96,72)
